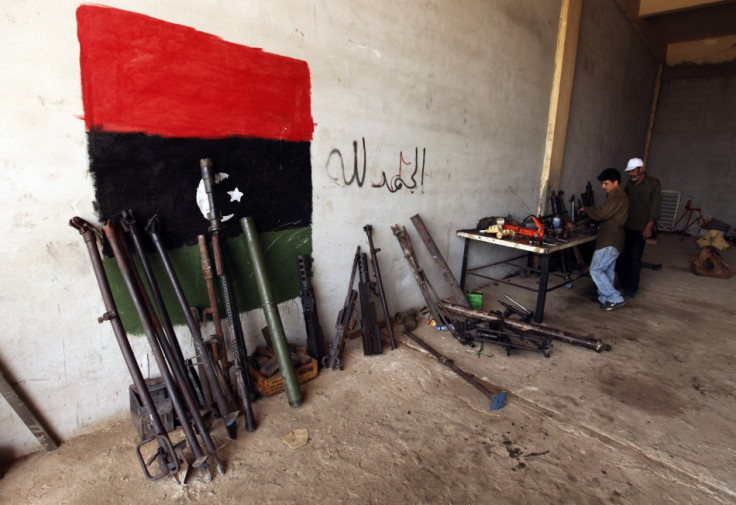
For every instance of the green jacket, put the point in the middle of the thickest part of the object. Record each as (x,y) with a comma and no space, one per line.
(612,216)
(645,200)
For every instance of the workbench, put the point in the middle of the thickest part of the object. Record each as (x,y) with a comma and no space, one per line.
(544,249)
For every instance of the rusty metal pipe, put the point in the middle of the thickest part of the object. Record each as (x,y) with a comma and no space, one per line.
(166,451)
(228,417)
(182,411)
(563,336)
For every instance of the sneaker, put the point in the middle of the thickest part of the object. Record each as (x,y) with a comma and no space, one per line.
(612,305)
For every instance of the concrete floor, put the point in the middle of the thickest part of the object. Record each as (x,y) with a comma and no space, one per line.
(651,421)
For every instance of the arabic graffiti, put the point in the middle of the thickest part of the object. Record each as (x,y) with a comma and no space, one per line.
(392,183)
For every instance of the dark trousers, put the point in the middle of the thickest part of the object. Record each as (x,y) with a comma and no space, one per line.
(628,265)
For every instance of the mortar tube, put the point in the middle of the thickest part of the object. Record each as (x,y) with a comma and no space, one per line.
(273,319)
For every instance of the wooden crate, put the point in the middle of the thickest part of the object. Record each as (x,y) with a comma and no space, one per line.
(269,386)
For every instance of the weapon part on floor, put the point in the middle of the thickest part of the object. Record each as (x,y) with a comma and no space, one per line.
(530,328)
(496,395)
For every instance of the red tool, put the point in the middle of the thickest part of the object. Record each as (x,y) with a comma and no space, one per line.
(536,232)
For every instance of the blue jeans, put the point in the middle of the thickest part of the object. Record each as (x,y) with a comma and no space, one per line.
(602,268)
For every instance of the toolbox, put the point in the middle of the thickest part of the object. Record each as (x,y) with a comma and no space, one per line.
(139,413)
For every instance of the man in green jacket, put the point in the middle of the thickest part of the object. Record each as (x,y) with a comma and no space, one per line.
(610,240)
(645,197)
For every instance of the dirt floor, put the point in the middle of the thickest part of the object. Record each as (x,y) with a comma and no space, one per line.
(651,421)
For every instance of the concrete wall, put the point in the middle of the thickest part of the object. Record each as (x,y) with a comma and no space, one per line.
(694,143)
(468,81)
(615,78)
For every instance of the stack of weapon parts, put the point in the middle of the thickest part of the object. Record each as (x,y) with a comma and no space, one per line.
(170,458)
(434,303)
(470,330)
(270,310)
(495,395)
(315,337)
(240,353)
(529,328)
(379,285)
(345,320)
(212,378)
(368,325)
(476,330)
(181,391)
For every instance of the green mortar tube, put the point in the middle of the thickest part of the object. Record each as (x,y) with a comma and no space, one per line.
(273,319)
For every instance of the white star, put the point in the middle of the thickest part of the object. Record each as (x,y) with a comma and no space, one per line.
(235,195)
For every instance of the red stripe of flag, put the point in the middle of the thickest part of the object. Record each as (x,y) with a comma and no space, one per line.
(141,74)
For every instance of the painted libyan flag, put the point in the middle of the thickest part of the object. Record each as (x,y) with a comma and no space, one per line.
(158,97)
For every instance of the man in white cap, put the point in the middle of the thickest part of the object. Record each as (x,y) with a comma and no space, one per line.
(645,197)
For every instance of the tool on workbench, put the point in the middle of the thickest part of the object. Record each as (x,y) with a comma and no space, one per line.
(531,226)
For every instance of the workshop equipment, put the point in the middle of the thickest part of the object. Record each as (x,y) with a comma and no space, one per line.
(692,219)
(466,332)
(530,227)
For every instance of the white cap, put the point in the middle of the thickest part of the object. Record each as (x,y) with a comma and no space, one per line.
(634,163)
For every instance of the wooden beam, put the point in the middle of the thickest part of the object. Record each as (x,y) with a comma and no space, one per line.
(559,103)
